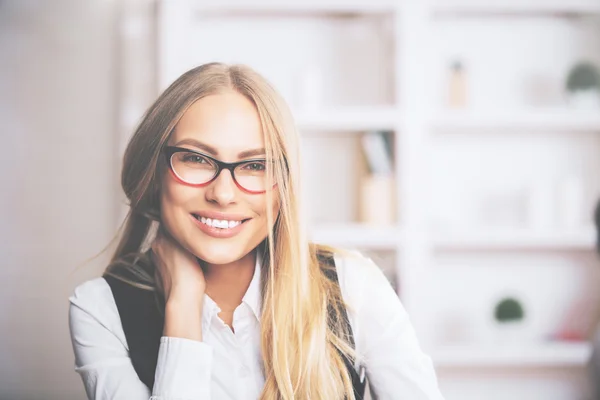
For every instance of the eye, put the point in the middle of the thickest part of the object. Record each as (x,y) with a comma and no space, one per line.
(255,166)
(193,158)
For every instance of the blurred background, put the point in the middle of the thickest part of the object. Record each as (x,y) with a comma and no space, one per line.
(456,142)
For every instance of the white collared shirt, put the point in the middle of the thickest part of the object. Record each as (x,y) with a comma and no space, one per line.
(227,365)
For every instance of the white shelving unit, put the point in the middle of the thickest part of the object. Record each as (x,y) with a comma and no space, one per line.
(516,240)
(349,119)
(535,7)
(304,7)
(391,55)
(358,235)
(553,120)
(546,355)
(380,111)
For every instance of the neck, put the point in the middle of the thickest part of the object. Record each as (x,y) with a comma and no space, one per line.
(227,284)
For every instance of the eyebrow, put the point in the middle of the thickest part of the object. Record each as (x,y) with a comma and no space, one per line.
(212,151)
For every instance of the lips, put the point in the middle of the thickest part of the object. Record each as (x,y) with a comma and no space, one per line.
(219,223)
(221,215)
(219,231)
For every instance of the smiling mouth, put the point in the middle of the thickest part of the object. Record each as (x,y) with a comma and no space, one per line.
(220,223)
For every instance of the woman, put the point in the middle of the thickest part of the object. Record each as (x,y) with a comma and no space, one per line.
(214,291)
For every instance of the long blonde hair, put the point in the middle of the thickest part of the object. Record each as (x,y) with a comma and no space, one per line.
(302,345)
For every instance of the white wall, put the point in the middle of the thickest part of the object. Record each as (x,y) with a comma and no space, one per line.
(58,177)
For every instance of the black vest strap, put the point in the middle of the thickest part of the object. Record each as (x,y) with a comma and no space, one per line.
(142,317)
(358,384)
(142,323)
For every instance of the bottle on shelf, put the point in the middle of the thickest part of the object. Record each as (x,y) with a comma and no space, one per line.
(457,88)
(376,197)
(376,200)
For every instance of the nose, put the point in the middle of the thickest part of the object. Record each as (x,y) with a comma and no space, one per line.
(222,189)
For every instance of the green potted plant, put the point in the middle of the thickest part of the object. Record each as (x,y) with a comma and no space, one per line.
(509,315)
(509,310)
(583,85)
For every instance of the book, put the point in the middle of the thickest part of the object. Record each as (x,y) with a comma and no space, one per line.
(377,151)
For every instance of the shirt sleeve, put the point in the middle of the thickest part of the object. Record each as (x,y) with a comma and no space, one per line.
(102,357)
(396,366)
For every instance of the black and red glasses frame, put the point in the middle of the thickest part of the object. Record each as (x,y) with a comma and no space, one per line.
(169,151)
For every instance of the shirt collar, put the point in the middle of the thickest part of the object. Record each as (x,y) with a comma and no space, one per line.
(252,297)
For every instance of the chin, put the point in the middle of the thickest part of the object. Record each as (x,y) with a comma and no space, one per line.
(213,253)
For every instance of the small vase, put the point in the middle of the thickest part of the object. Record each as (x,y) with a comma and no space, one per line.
(457,90)
(377,200)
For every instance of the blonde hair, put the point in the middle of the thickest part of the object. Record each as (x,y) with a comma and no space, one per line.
(302,344)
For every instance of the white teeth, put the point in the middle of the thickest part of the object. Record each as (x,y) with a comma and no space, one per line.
(218,223)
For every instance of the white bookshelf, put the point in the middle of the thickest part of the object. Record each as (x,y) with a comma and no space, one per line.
(546,355)
(534,7)
(548,120)
(296,7)
(517,239)
(358,235)
(349,119)
(418,38)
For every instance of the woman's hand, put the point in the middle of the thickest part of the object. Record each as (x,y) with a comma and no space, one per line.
(184,286)
(181,274)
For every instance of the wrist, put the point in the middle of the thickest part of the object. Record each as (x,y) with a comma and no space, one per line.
(181,301)
(183,318)
(185,294)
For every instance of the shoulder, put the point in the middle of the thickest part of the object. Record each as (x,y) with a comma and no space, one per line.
(95,293)
(92,303)
(371,301)
(357,272)
(362,282)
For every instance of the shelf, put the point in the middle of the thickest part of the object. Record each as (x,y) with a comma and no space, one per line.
(583,239)
(357,235)
(551,354)
(563,7)
(298,6)
(349,119)
(539,120)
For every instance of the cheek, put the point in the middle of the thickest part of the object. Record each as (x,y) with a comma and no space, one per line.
(175,196)
(259,205)
(169,195)
(275,207)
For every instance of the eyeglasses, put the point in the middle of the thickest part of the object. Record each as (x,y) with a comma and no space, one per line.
(193,168)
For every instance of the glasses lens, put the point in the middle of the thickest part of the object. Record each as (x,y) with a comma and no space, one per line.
(193,168)
(252,175)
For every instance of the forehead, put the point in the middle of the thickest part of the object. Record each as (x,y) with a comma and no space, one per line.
(227,122)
